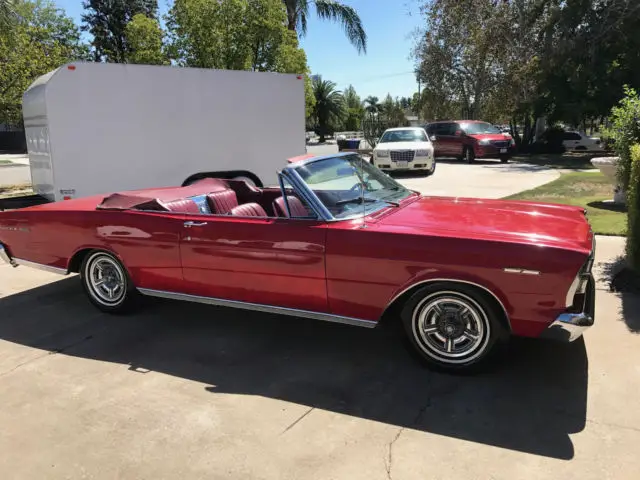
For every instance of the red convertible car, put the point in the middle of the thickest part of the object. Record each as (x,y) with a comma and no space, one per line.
(338,240)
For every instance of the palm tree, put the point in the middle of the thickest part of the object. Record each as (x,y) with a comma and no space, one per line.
(329,105)
(298,12)
(372,104)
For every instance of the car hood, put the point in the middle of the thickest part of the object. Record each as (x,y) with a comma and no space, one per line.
(403,146)
(490,136)
(516,221)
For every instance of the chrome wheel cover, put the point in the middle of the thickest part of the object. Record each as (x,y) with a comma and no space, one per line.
(451,327)
(105,279)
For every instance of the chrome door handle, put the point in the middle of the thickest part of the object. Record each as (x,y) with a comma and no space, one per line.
(190,224)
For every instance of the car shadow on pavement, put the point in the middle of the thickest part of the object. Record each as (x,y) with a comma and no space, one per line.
(530,401)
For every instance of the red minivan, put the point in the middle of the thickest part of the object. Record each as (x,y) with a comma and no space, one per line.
(469,139)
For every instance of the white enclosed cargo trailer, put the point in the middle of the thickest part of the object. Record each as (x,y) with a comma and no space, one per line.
(95,128)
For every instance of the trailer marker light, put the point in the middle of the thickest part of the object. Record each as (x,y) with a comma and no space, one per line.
(67,197)
(71,67)
(299,77)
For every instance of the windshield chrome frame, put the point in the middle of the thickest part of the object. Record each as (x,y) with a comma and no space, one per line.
(290,174)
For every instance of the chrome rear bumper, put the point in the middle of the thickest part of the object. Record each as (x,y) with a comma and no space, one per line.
(570,326)
(4,255)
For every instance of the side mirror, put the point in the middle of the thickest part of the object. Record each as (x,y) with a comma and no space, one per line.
(432,138)
(458,133)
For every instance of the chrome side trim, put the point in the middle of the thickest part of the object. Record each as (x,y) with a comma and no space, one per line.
(259,307)
(454,280)
(39,266)
(4,255)
(522,271)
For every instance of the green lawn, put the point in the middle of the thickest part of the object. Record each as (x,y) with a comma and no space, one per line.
(586,189)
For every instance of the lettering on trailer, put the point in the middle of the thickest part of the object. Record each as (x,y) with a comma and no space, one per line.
(67,194)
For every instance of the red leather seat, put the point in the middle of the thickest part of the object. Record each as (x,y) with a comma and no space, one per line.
(185,205)
(222,202)
(295,205)
(248,210)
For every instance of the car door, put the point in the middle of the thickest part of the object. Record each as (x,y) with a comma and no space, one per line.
(450,145)
(259,260)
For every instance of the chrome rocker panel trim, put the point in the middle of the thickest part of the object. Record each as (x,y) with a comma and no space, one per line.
(40,266)
(14,262)
(259,307)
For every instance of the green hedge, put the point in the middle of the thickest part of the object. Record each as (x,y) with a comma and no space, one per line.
(633,203)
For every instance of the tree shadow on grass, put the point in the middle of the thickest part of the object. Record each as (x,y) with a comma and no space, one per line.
(524,403)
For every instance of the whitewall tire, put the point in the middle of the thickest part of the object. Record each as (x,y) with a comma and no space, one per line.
(106,282)
(452,327)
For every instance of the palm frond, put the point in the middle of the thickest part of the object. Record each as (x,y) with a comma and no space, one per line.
(347,16)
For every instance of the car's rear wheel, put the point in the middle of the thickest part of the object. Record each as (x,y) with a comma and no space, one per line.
(453,328)
(468,154)
(106,282)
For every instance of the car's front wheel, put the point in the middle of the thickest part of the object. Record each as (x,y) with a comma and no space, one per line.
(432,170)
(106,282)
(452,327)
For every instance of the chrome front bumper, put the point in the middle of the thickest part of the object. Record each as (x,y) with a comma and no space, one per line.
(570,326)
(4,255)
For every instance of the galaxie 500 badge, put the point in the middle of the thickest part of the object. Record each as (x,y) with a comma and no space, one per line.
(14,229)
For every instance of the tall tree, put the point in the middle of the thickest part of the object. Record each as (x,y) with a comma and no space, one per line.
(7,12)
(144,41)
(298,14)
(354,109)
(237,35)
(43,39)
(328,109)
(106,21)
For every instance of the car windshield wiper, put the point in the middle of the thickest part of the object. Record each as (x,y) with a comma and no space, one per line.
(359,200)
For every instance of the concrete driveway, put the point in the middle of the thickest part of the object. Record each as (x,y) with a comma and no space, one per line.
(483,178)
(187,391)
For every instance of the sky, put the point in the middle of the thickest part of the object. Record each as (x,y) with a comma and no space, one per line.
(385,68)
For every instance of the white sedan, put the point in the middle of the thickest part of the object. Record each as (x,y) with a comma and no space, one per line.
(580,141)
(405,148)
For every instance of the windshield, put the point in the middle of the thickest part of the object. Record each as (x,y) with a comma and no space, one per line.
(478,128)
(337,182)
(408,135)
